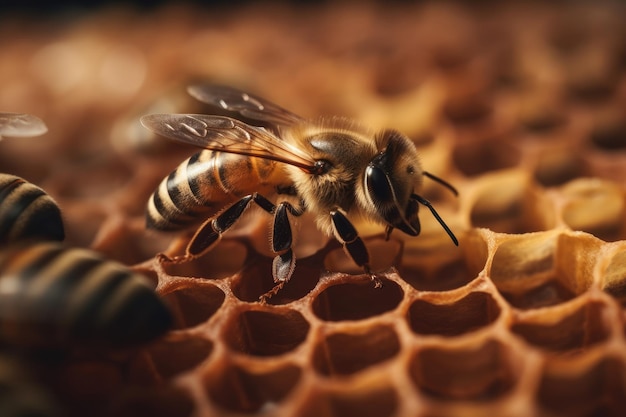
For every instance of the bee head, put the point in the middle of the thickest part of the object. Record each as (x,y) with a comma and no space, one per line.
(390,178)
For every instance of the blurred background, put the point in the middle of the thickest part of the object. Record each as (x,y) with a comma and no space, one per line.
(521,105)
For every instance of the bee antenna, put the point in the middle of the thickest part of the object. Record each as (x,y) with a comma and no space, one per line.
(440,181)
(443,224)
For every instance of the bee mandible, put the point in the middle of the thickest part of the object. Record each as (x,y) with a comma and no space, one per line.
(332,167)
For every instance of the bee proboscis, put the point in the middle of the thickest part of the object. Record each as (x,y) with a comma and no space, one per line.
(333,168)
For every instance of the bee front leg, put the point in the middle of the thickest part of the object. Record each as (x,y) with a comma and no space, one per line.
(347,235)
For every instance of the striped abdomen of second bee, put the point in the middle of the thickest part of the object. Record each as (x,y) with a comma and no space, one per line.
(206,183)
(53,296)
(26,211)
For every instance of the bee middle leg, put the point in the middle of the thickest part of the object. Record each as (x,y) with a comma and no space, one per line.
(282,238)
(349,238)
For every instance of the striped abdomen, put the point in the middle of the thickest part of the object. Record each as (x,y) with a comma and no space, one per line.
(53,296)
(26,211)
(207,182)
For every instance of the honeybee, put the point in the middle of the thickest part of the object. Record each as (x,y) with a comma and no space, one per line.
(333,168)
(52,296)
(27,212)
(21,125)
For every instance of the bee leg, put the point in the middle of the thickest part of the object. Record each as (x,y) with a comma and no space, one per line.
(284,263)
(282,238)
(347,235)
(388,231)
(282,269)
(210,232)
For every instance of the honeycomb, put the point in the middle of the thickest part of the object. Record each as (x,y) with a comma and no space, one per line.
(521,106)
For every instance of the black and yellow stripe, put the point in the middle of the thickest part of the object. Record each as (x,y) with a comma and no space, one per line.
(54,296)
(178,201)
(203,185)
(27,212)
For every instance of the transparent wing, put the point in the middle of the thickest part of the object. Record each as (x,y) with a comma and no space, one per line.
(21,125)
(248,105)
(227,135)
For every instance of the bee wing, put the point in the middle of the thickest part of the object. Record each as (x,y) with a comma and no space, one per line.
(248,105)
(225,134)
(21,125)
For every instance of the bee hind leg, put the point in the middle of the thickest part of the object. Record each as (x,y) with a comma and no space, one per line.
(349,238)
(210,232)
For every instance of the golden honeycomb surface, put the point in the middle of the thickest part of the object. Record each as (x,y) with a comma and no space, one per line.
(521,106)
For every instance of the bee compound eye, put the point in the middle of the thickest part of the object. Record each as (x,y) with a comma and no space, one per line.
(378,185)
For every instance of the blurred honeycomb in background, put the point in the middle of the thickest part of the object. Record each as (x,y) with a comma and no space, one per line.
(521,106)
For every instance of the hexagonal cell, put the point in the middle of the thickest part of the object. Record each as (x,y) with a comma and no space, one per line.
(465,104)
(357,300)
(576,257)
(567,332)
(574,388)
(541,112)
(443,268)
(241,389)
(609,131)
(519,258)
(477,157)
(195,304)
(509,203)
(387,81)
(543,269)
(256,280)
(614,274)
(383,255)
(589,76)
(373,401)
(225,259)
(468,373)
(569,33)
(557,166)
(473,312)
(345,353)
(268,332)
(172,357)
(548,293)
(597,207)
